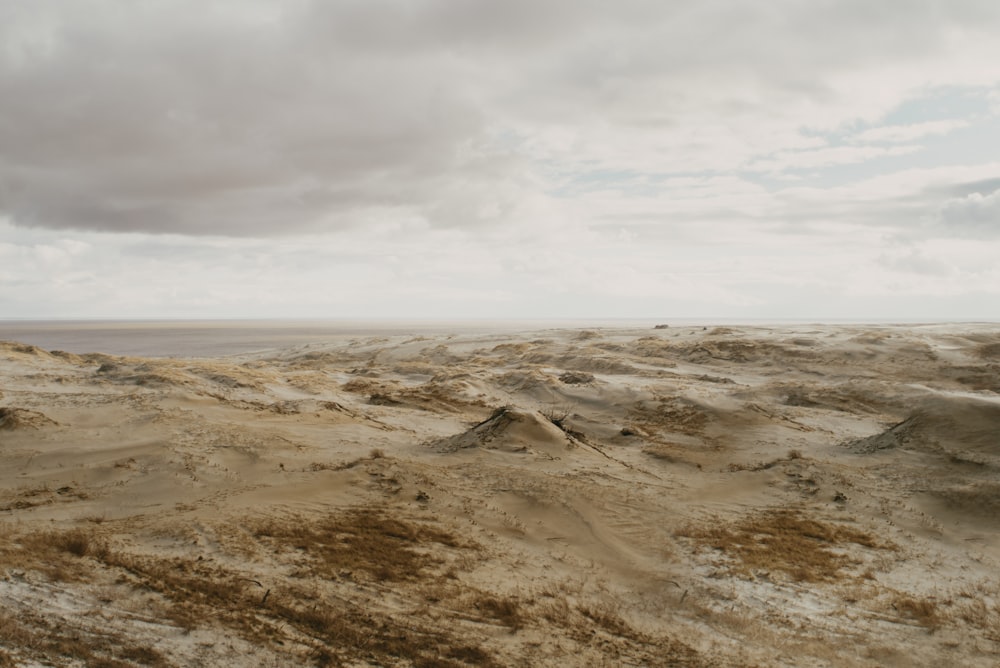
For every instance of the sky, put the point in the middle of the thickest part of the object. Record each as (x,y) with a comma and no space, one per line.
(804,159)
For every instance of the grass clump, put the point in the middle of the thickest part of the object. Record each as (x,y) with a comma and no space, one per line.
(58,555)
(504,609)
(924,611)
(43,641)
(783,540)
(361,540)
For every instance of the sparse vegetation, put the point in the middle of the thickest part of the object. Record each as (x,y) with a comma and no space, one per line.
(361,541)
(785,541)
(288,518)
(30,636)
(556,417)
(576,378)
(922,610)
(763,466)
(505,609)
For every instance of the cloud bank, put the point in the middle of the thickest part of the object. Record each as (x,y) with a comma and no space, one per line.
(615,136)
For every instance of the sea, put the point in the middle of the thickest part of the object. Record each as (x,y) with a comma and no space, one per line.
(216,338)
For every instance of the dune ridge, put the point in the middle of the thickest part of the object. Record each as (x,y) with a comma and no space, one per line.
(684,496)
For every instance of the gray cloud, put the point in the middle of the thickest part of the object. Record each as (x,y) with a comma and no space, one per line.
(155,121)
(973,215)
(259,118)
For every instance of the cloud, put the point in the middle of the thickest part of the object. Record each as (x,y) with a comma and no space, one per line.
(254,118)
(975,214)
(152,117)
(421,158)
(917,262)
(826,157)
(909,133)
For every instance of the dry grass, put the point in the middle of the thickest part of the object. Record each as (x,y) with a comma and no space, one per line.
(30,636)
(361,541)
(347,630)
(77,542)
(979,614)
(54,554)
(328,617)
(335,630)
(196,589)
(587,621)
(670,413)
(924,611)
(376,453)
(12,418)
(434,395)
(608,618)
(197,593)
(763,466)
(31,497)
(784,541)
(666,452)
(505,609)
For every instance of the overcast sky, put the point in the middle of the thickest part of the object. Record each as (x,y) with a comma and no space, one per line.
(525,158)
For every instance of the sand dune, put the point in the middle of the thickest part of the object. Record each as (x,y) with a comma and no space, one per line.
(807,495)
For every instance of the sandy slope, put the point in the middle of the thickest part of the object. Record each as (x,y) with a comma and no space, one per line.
(685,496)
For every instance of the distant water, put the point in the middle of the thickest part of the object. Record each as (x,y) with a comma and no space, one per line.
(171,338)
(214,338)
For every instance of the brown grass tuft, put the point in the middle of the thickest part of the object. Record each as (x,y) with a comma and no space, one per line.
(59,555)
(51,642)
(362,540)
(785,541)
(79,543)
(505,609)
(923,611)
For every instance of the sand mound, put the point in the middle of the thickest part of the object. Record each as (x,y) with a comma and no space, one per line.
(977,378)
(587,361)
(449,396)
(14,348)
(954,426)
(980,500)
(737,350)
(653,349)
(899,434)
(847,399)
(671,414)
(21,418)
(576,378)
(989,351)
(512,430)
(145,374)
(10,347)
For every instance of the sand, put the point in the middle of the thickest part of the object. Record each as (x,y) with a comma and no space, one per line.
(728,496)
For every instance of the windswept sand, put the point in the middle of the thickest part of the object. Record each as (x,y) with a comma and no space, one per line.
(796,496)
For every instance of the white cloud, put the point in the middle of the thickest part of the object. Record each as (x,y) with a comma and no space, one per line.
(826,157)
(909,133)
(915,261)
